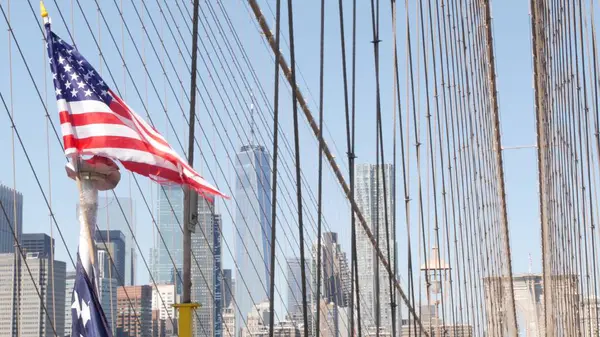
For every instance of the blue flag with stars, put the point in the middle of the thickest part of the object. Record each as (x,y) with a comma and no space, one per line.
(87,317)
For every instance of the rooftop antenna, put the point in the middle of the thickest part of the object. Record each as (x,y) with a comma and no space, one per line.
(252,136)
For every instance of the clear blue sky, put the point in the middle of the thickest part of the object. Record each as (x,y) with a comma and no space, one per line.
(513,55)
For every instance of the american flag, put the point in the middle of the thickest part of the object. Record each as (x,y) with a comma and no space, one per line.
(95,121)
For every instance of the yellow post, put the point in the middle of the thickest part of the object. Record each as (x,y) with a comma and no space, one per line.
(185,321)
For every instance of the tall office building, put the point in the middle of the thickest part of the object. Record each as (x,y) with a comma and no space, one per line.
(229,321)
(134,311)
(170,203)
(370,199)
(335,274)
(114,243)
(164,314)
(253,220)
(38,243)
(69,285)
(227,288)
(36,274)
(11,199)
(206,271)
(107,291)
(294,292)
(110,217)
(163,297)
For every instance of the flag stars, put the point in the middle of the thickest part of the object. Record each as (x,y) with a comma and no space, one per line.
(104,92)
(85,313)
(68,67)
(80,85)
(86,77)
(88,93)
(74,76)
(73,93)
(67,84)
(58,91)
(53,76)
(76,306)
(61,60)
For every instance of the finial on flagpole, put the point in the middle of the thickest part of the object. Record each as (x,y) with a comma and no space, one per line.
(43,10)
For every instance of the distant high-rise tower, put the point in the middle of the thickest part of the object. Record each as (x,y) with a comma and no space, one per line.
(370,199)
(110,217)
(170,216)
(253,220)
(114,242)
(227,288)
(205,269)
(49,278)
(38,243)
(69,285)
(8,196)
(294,293)
(335,275)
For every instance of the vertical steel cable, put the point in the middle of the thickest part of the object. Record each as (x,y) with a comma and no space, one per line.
(317,331)
(17,269)
(297,154)
(275,156)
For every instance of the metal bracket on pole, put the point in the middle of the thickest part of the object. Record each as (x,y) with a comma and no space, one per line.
(192,218)
(185,323)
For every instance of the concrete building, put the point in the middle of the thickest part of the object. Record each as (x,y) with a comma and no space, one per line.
(286,329)
(229,321)
(334,321)
(335,274)
(43,288)
(163,297)
(257,322)
(158,325)
(134,311)
(373,277)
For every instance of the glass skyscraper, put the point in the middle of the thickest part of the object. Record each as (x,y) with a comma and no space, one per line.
(8,196)
(206,267)
(163,270)
(370,199)
(253,221)
(294,283)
